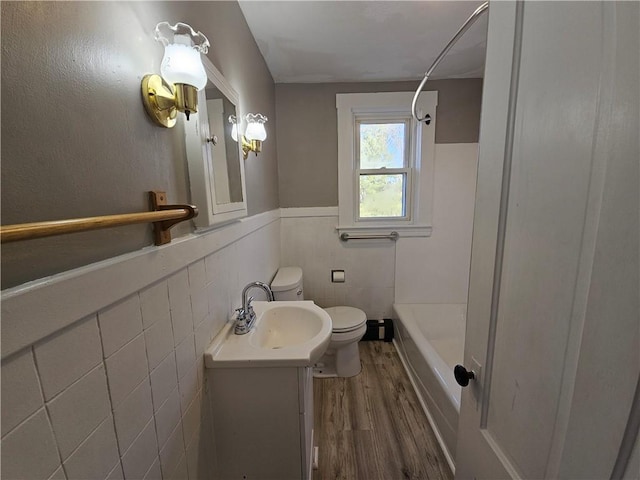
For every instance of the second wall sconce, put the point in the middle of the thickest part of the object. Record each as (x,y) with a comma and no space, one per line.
(183,74)
(254,134)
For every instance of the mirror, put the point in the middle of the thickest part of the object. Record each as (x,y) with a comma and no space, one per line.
(216,169)
(221,114)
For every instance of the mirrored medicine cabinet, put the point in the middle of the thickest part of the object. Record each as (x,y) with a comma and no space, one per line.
(216,169)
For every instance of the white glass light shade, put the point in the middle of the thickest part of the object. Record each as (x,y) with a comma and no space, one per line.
(182,64)
(234,127)
(255,127)
(255,131)
(182,48)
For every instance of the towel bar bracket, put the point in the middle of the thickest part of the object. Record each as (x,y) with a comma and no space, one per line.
(161,230)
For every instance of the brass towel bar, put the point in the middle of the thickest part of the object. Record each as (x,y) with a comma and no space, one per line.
(162,216)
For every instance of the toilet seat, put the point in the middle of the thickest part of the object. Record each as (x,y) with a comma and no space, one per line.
(346,319)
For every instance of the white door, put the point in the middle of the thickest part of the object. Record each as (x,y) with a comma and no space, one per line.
(553,313)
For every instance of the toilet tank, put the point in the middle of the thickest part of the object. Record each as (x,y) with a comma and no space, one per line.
(287,284)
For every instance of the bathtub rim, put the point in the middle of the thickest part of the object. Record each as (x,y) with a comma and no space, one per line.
(442,371)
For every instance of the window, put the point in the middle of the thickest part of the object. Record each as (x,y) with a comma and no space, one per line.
(382,168)
(385,163)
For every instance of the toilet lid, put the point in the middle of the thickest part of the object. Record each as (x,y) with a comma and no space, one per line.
(346,318)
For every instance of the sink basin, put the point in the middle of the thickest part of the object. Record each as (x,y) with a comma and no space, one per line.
(286,326)
(284,334)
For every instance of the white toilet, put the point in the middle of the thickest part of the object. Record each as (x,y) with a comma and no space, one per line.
(342,358)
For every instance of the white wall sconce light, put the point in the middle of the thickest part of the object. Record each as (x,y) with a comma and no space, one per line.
(183,74)
(254,134)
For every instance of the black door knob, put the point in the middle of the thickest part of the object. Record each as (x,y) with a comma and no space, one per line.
(463,375)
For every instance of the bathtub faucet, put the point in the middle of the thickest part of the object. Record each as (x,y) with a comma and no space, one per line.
(246,317)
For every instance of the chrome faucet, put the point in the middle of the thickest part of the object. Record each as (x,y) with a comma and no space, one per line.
(246,317)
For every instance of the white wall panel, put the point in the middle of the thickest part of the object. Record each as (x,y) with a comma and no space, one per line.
(312,243)
(435,269)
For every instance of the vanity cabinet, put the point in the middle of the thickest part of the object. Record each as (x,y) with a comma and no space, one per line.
(262,422)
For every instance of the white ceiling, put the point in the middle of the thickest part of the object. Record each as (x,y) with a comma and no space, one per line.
(346,41)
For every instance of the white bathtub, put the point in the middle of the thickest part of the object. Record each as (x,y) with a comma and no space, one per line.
(430,340)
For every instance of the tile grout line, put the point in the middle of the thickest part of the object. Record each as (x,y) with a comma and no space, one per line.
(113,416)
(175,358)
(46,411)
(187,442)
(84,440)
(173,351)
(149,469)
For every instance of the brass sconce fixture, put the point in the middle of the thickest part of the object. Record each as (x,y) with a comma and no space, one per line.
(254,134)
(182,74)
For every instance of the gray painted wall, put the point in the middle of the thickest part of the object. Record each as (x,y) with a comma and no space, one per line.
(306,127)
(76,139)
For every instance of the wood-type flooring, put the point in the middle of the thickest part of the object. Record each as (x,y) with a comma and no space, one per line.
(371,426)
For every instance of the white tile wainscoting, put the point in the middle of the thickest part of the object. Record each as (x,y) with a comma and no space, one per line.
(436,269)
(310,241)
(432,269)
(102,375)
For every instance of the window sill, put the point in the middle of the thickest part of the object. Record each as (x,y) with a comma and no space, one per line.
(404,231)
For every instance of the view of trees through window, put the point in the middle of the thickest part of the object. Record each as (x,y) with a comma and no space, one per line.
(382,148)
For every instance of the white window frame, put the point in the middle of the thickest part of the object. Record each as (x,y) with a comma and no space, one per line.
(351,108)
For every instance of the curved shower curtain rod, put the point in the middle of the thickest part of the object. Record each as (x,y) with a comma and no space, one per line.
(474,16)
